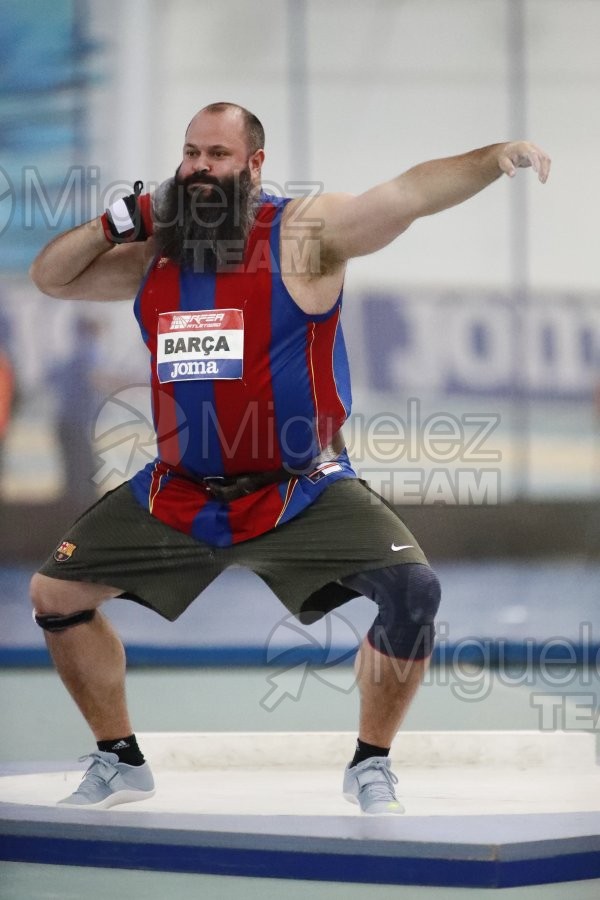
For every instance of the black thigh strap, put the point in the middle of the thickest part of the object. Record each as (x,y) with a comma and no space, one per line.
(59,623)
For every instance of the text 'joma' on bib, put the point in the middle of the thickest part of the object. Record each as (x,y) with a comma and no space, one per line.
(200,345)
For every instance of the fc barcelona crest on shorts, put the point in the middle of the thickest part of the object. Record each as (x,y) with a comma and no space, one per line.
(64,551)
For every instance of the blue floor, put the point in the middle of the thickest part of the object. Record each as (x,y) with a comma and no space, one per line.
(453,851)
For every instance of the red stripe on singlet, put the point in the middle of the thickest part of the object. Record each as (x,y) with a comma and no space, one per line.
(320,346)
(168,499)
(162,294)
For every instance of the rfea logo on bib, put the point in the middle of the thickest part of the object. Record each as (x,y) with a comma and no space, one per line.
(200,345)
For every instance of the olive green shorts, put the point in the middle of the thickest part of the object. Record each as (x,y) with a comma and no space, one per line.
(348,529)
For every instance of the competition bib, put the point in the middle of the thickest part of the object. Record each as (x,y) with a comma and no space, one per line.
(207,344)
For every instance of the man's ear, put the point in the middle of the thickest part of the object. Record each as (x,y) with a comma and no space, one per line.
(255,162)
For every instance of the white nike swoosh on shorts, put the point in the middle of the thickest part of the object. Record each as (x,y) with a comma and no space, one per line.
(402,547)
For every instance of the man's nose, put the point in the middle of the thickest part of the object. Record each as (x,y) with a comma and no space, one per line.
(201,164)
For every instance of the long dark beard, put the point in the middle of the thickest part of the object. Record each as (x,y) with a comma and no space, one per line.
(206,229)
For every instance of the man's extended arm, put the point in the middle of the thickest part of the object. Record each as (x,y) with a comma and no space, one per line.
(355,226)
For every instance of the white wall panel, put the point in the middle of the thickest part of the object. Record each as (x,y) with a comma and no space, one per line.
(391,83)
(564,112)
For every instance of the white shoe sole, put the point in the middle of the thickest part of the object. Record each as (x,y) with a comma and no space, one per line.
(352,798)
(112,800)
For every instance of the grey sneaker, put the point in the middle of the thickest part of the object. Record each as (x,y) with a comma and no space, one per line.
(371,785)
(108,782)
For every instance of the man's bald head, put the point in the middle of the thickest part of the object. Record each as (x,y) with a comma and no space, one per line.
(253,129)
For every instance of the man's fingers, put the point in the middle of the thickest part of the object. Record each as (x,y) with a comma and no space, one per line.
(522,155)
(506,165)
(544,167)
(540,162)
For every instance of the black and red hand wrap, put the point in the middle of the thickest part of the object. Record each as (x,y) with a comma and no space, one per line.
(130,218)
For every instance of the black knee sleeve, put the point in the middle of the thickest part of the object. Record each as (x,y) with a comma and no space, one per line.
(60,623)
(408,597)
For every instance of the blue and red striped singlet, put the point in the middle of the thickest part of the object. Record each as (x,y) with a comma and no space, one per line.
(242,381)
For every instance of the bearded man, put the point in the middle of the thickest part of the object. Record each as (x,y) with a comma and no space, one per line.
(238,298)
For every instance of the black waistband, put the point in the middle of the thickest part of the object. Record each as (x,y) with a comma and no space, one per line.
(232,487)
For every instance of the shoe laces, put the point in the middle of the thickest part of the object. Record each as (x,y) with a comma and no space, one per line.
(383,788)
(100,770)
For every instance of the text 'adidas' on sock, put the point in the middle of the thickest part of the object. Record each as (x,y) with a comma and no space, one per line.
(126,749)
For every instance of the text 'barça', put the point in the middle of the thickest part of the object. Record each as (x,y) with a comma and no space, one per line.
(203,344)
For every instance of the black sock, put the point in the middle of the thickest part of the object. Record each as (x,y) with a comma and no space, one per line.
(126,749)
(366,751)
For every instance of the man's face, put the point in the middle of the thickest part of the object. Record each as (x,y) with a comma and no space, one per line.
(216,148)
(207,211)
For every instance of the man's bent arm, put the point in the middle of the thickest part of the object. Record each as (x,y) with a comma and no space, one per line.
(355,226)
(82,263)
